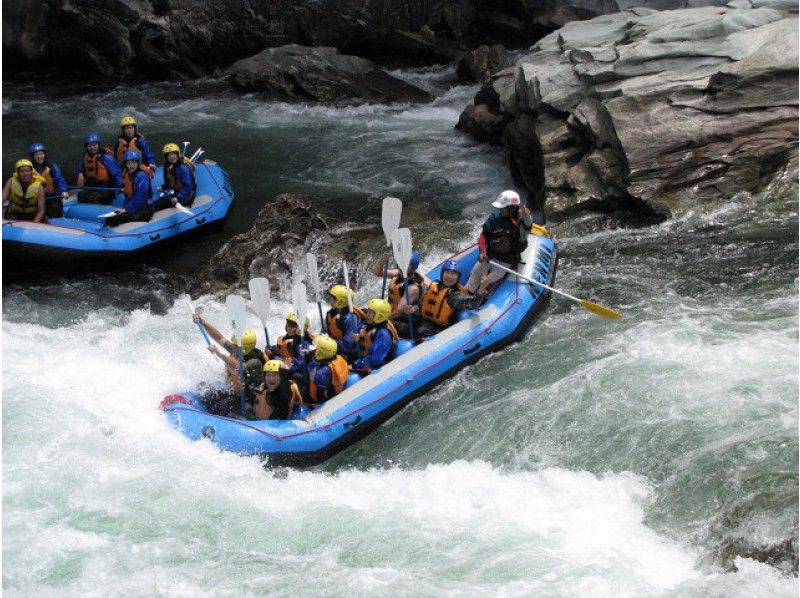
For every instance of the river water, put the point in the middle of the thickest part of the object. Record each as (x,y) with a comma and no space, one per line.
(594,458)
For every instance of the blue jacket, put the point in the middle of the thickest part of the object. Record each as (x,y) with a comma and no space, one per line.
(141,193)
(350,325)
(378,350)
(147,155)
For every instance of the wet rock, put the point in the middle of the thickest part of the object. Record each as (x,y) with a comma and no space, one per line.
(641,109)
(479,64)
(285,229)
(321,75)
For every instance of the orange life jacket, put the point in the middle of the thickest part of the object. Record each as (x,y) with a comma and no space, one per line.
(332,322)
(123,145)
(367,336)
(93,168)
(284,348)
(434,306)
(127,179)
(339,372)
(49,184)
(172,181)
(397,291)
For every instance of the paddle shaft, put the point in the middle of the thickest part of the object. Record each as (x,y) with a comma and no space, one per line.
(90,188)
(385,274)
(199,324)
(536,282)
(410,317)
(321,319)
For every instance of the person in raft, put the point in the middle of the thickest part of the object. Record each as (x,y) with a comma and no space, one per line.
(98,169)
(138,191)
(444,299)
(328,372)
(503,238)
(23,193)
(341,323)
(131,140)
(397,283)
(55,187)
(278,395)
(179,182)
(378,337)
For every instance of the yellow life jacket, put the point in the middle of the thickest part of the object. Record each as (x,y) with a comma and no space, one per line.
(339,372)
(434,306)
(367,336)
(24,203)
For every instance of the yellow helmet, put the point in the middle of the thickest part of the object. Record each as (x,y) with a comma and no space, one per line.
(127,120)
(171,147)
(381,308)
(23,162)
(248,341)
(273,365)
(326,347)
(339,293)
(292,317)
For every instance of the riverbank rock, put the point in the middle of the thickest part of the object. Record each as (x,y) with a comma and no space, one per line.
(286,228)
(642,110)
(479,64)
(324,75)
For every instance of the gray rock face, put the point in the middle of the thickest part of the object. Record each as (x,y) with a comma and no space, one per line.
(480,63)
(665,106)
(285,229)
(320,74)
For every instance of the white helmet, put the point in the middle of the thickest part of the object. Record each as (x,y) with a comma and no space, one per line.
(505,199)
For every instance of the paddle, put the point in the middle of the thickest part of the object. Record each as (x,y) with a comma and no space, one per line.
(89,188)
(107,215)
(199,152)
(259,301)
(199,323)
(390,220)
(300,303)
(349,301)
(185,148)
(313,280)
(595,308)
(401,246)
(183,208)
(237,312)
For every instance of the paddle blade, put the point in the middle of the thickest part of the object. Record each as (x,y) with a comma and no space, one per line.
(313,274)
(390,216)
(237,313)
(401,247)
(300,303)
(183,208)
(600,310)
(259,298)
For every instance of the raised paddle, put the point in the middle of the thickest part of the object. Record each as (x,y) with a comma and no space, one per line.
(595,308)
(199,323)
(390,220)
(313,280)
(401,247)
(185,147)
(237,313)
(349,301)
(259,301)
(300,303)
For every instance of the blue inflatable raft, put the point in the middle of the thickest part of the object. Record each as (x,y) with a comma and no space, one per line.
(80,235)
(313,436)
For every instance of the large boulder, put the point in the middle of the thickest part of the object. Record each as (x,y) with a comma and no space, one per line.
(285,229)
(320,74)
(669,106)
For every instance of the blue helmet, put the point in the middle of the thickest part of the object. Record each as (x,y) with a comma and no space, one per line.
(36,147)
(132,155)
(414,263)
(454,266)
(92,138)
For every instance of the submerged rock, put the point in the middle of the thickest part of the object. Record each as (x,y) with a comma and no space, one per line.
(644,109)
(285,229)
(324,75)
